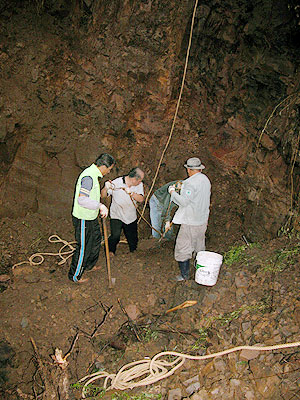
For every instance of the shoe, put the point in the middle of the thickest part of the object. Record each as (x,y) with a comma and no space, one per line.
(96,268)
(179,278)
(82,280)
(184,267)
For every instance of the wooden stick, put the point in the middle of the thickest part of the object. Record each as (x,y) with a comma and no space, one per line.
(107,253)
(187,303)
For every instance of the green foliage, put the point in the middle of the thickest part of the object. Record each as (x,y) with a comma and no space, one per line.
(288,230)
(201,341)
(149,335)
(235,254)
(91,391)
(282,259)
(226,318)
(238,254)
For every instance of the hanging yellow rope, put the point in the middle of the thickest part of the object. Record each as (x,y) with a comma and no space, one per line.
(176,111)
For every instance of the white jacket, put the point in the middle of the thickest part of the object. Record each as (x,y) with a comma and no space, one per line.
(193,200)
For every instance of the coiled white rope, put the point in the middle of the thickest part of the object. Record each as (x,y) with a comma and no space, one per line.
(62,253)
(153,370)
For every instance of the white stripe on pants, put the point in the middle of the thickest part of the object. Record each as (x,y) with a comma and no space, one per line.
(190,238)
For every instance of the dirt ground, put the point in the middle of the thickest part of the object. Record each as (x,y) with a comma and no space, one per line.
(41,303)
(107,328)
(59,94)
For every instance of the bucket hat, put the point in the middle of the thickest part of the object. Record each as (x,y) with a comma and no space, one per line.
(194,163)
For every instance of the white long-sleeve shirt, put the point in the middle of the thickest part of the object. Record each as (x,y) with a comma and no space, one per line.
(193,200)
(122,207)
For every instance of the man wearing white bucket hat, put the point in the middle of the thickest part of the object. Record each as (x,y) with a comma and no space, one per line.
(192,214)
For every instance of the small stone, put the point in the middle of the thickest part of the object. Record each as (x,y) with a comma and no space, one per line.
(220,365)
(268,387)
(249,354)
(132,311)
(235,382)
(208,369)
(246,326)
(193,388)
(4,278)
(249,395)
(241,281)
(297,314)
(24,322)
(151,299)
(201,395)
(34,75)
(191,380)
(175,394)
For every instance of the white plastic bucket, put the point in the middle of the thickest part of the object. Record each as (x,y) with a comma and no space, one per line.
(208,265)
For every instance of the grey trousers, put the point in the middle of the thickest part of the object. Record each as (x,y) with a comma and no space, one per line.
(190,238)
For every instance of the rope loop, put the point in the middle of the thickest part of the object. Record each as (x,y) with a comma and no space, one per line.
(153,370)
(62,253)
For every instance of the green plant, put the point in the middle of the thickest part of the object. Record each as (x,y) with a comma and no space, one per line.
(92,391)
(201,341)
(273,268)
(282,259)
(149,335)
(242,362)
(288,229)
(235,254)
(226,318)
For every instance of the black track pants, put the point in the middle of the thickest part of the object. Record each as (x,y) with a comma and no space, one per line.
(88,238)
(130,232)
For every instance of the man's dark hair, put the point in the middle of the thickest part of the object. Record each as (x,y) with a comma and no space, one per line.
(105,159)
(135,173)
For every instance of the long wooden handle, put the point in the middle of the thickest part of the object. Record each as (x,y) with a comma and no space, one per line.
(107,253)
(187,303)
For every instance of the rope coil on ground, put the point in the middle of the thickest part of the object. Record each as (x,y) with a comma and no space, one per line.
(64,255)
(156,370)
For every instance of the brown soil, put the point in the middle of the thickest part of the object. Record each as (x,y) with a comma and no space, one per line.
(74,84)
(39,302)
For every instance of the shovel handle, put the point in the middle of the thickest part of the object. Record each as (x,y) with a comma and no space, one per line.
(107,253)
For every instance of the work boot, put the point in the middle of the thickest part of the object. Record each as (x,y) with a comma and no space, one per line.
(179,278)
(184,267)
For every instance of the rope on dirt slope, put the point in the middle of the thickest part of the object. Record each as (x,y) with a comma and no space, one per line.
(153,370)
(62,253)
(176,111)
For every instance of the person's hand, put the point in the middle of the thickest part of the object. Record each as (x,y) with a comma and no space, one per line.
(171,188)
(167,226)
(128,191)
(178,185)
(108,185)
(103,210)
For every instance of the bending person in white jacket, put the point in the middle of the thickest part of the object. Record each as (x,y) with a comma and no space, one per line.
(192,215)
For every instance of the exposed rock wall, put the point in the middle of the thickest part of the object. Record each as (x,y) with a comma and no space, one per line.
(80,78)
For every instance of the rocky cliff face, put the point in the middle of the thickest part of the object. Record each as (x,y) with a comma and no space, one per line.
(80,78)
